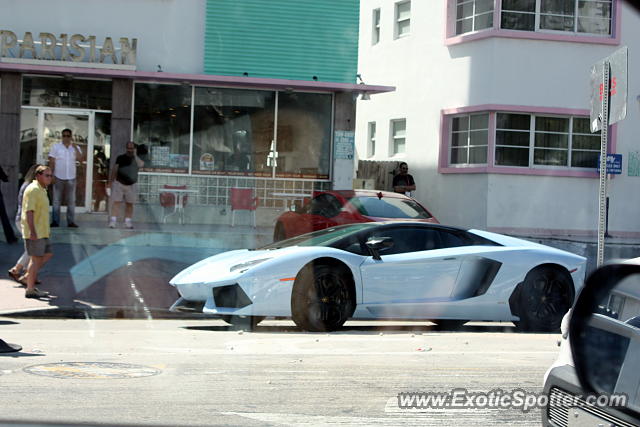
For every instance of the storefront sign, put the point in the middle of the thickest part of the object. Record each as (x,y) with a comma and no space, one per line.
(344,144)
(75,49)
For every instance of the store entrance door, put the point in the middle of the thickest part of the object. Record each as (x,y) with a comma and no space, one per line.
(51,123)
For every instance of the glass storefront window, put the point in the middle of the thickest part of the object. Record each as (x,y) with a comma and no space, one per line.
(66,92)
(303,148)
(232,131)
(162,124)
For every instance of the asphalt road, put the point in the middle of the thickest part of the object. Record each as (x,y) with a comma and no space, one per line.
(197,372)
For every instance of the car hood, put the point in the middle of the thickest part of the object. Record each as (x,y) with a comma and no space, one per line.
(200,272)
(221,264)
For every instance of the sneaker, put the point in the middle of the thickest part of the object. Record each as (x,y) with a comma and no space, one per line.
(112,224)
(128,225)
(72,225)
(35,293)
(54,224)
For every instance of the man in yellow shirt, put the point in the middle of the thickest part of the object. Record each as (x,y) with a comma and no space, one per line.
(35,228)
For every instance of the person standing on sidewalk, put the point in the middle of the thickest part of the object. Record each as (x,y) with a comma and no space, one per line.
(62,161)
(123,184)
(16,272)
(403,182)
(35,228)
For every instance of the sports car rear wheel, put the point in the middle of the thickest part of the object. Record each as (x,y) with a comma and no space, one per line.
(246,323)
(547,294)
(322,299)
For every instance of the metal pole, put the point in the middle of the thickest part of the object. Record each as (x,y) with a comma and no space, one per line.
(603,164)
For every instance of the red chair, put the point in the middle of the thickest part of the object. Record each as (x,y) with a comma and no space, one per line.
(176,201)
(243,199)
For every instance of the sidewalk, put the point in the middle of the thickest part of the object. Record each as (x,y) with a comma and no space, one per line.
(94,266)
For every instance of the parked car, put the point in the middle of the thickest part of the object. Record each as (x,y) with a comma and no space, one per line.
(332,208)
(596,377)
(387,270)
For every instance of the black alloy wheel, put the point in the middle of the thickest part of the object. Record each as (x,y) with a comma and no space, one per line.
(546,296)
(322,300)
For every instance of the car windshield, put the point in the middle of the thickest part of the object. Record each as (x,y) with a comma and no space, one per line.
(326,237)
(307,212)
(389,207)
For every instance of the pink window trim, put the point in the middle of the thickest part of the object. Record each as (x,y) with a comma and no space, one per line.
(450,39)
(490,167)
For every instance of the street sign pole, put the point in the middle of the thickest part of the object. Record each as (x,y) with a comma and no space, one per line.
(604,133)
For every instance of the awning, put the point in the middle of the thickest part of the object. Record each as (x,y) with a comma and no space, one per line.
(195,79)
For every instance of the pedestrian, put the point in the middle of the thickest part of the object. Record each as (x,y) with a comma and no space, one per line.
(18,271)
(62,161)
(123,184)
(6,224)
(403,182)
(35,227)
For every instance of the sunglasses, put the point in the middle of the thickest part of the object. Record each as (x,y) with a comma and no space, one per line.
(66,135)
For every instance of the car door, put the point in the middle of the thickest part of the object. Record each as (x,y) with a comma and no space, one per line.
(418,269)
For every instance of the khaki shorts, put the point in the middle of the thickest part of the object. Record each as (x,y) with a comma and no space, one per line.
(37,247)
(128,193)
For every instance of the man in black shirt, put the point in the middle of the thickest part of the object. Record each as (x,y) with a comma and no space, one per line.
(403,182)
(122,184)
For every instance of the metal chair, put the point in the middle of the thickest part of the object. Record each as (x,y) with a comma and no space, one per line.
(173,203)
(243,199)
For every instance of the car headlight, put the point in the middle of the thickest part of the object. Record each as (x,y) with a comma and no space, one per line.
(248,264)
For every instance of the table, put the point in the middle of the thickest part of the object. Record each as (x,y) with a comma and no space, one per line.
(291,197)
(178,207)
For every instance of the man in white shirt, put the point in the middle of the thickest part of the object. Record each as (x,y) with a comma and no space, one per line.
(62,161)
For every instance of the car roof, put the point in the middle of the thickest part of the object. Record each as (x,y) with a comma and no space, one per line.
(363,193)
(418,224)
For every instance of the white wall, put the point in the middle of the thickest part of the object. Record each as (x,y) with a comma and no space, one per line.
(170,33)
(430,76)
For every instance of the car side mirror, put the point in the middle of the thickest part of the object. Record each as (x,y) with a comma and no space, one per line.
(604,332)
(376,244)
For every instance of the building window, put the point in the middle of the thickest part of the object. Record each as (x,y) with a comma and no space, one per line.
(473,15)
(575,16)
(469,139)
(371,138)
(238,132)
(162,121)
(528,140)
(403,19)
(375,33)
(398,136)
(232,131)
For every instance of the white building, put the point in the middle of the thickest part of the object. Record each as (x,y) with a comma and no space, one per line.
(491,109)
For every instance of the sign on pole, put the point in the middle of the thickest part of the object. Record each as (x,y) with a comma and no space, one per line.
(608,105)
(614,164)
(617,89)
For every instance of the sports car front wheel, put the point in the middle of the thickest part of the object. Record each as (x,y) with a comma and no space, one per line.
(322,300)
(547,294)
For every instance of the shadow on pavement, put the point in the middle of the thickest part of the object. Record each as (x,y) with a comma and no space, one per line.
(21,354)
(8,322)
(364,330)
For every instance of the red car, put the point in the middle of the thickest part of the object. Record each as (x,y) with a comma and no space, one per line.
(331,208)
